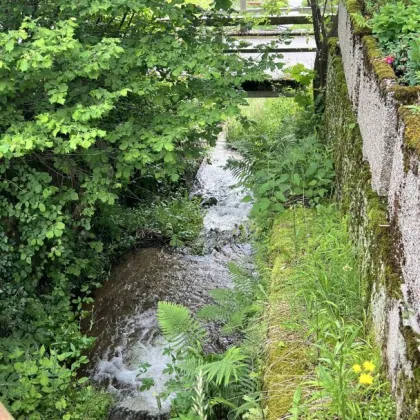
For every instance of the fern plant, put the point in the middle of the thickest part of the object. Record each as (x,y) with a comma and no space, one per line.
(179,327)
(233,307)
(217,385)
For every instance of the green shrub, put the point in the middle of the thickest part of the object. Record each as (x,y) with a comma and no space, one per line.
(283,160)
(41,382)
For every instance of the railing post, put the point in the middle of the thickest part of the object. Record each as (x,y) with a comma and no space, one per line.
(243,5)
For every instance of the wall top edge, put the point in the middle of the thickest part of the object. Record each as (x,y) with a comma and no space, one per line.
(407,98)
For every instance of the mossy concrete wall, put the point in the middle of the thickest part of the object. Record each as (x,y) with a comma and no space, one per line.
(379,189)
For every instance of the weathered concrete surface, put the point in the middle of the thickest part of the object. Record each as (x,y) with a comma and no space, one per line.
(373,102)
(379,185)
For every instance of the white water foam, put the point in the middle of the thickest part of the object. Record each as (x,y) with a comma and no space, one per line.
(128,332)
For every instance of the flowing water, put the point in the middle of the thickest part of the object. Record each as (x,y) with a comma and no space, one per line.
(124,316)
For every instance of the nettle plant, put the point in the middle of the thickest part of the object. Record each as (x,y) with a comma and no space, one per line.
(96,98)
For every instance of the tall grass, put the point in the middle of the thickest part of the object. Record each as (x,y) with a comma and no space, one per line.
(327,299)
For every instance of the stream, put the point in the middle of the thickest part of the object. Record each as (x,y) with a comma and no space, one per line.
(124,315)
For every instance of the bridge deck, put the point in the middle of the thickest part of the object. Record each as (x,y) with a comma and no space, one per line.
(301,49)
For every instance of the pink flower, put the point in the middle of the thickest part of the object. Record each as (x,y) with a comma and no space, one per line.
(390,59)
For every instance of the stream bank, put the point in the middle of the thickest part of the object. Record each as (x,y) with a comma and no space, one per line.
(124,317)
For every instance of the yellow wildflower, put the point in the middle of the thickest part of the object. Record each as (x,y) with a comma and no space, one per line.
(357,368)
(369,366)
(366,379)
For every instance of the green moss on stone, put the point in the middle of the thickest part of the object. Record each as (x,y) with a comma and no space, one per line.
(355,8)
(411,122)
(406,95)
(372,233)
(411,384)
(374,59)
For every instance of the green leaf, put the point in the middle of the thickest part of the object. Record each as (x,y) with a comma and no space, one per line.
(280,196)
(247,199)
(312,169)
(60,225)
(177,71)
(44,379)
(264,203)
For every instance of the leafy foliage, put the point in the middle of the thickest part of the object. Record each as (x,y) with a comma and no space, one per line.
(396,25)
(38,382)
(212,385)
(283,166)
(172,217)
(101,103)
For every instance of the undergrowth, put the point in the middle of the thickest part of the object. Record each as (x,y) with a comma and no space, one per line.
(216,385)
(283,161)
(326,299)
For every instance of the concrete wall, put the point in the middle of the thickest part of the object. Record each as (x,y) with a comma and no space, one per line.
(389,161)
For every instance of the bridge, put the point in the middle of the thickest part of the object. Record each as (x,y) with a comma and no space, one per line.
(300,47)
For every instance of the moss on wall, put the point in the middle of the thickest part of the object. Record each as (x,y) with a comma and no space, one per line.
(375,60)
(376,238)
(369,226)
(354,7)
(411,122)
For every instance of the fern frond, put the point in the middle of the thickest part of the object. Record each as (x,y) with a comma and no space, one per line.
(214,313)
(236,321)
(222,296)
(178,326)
(222,401)
(190,365)
(242,279)
(230,366)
